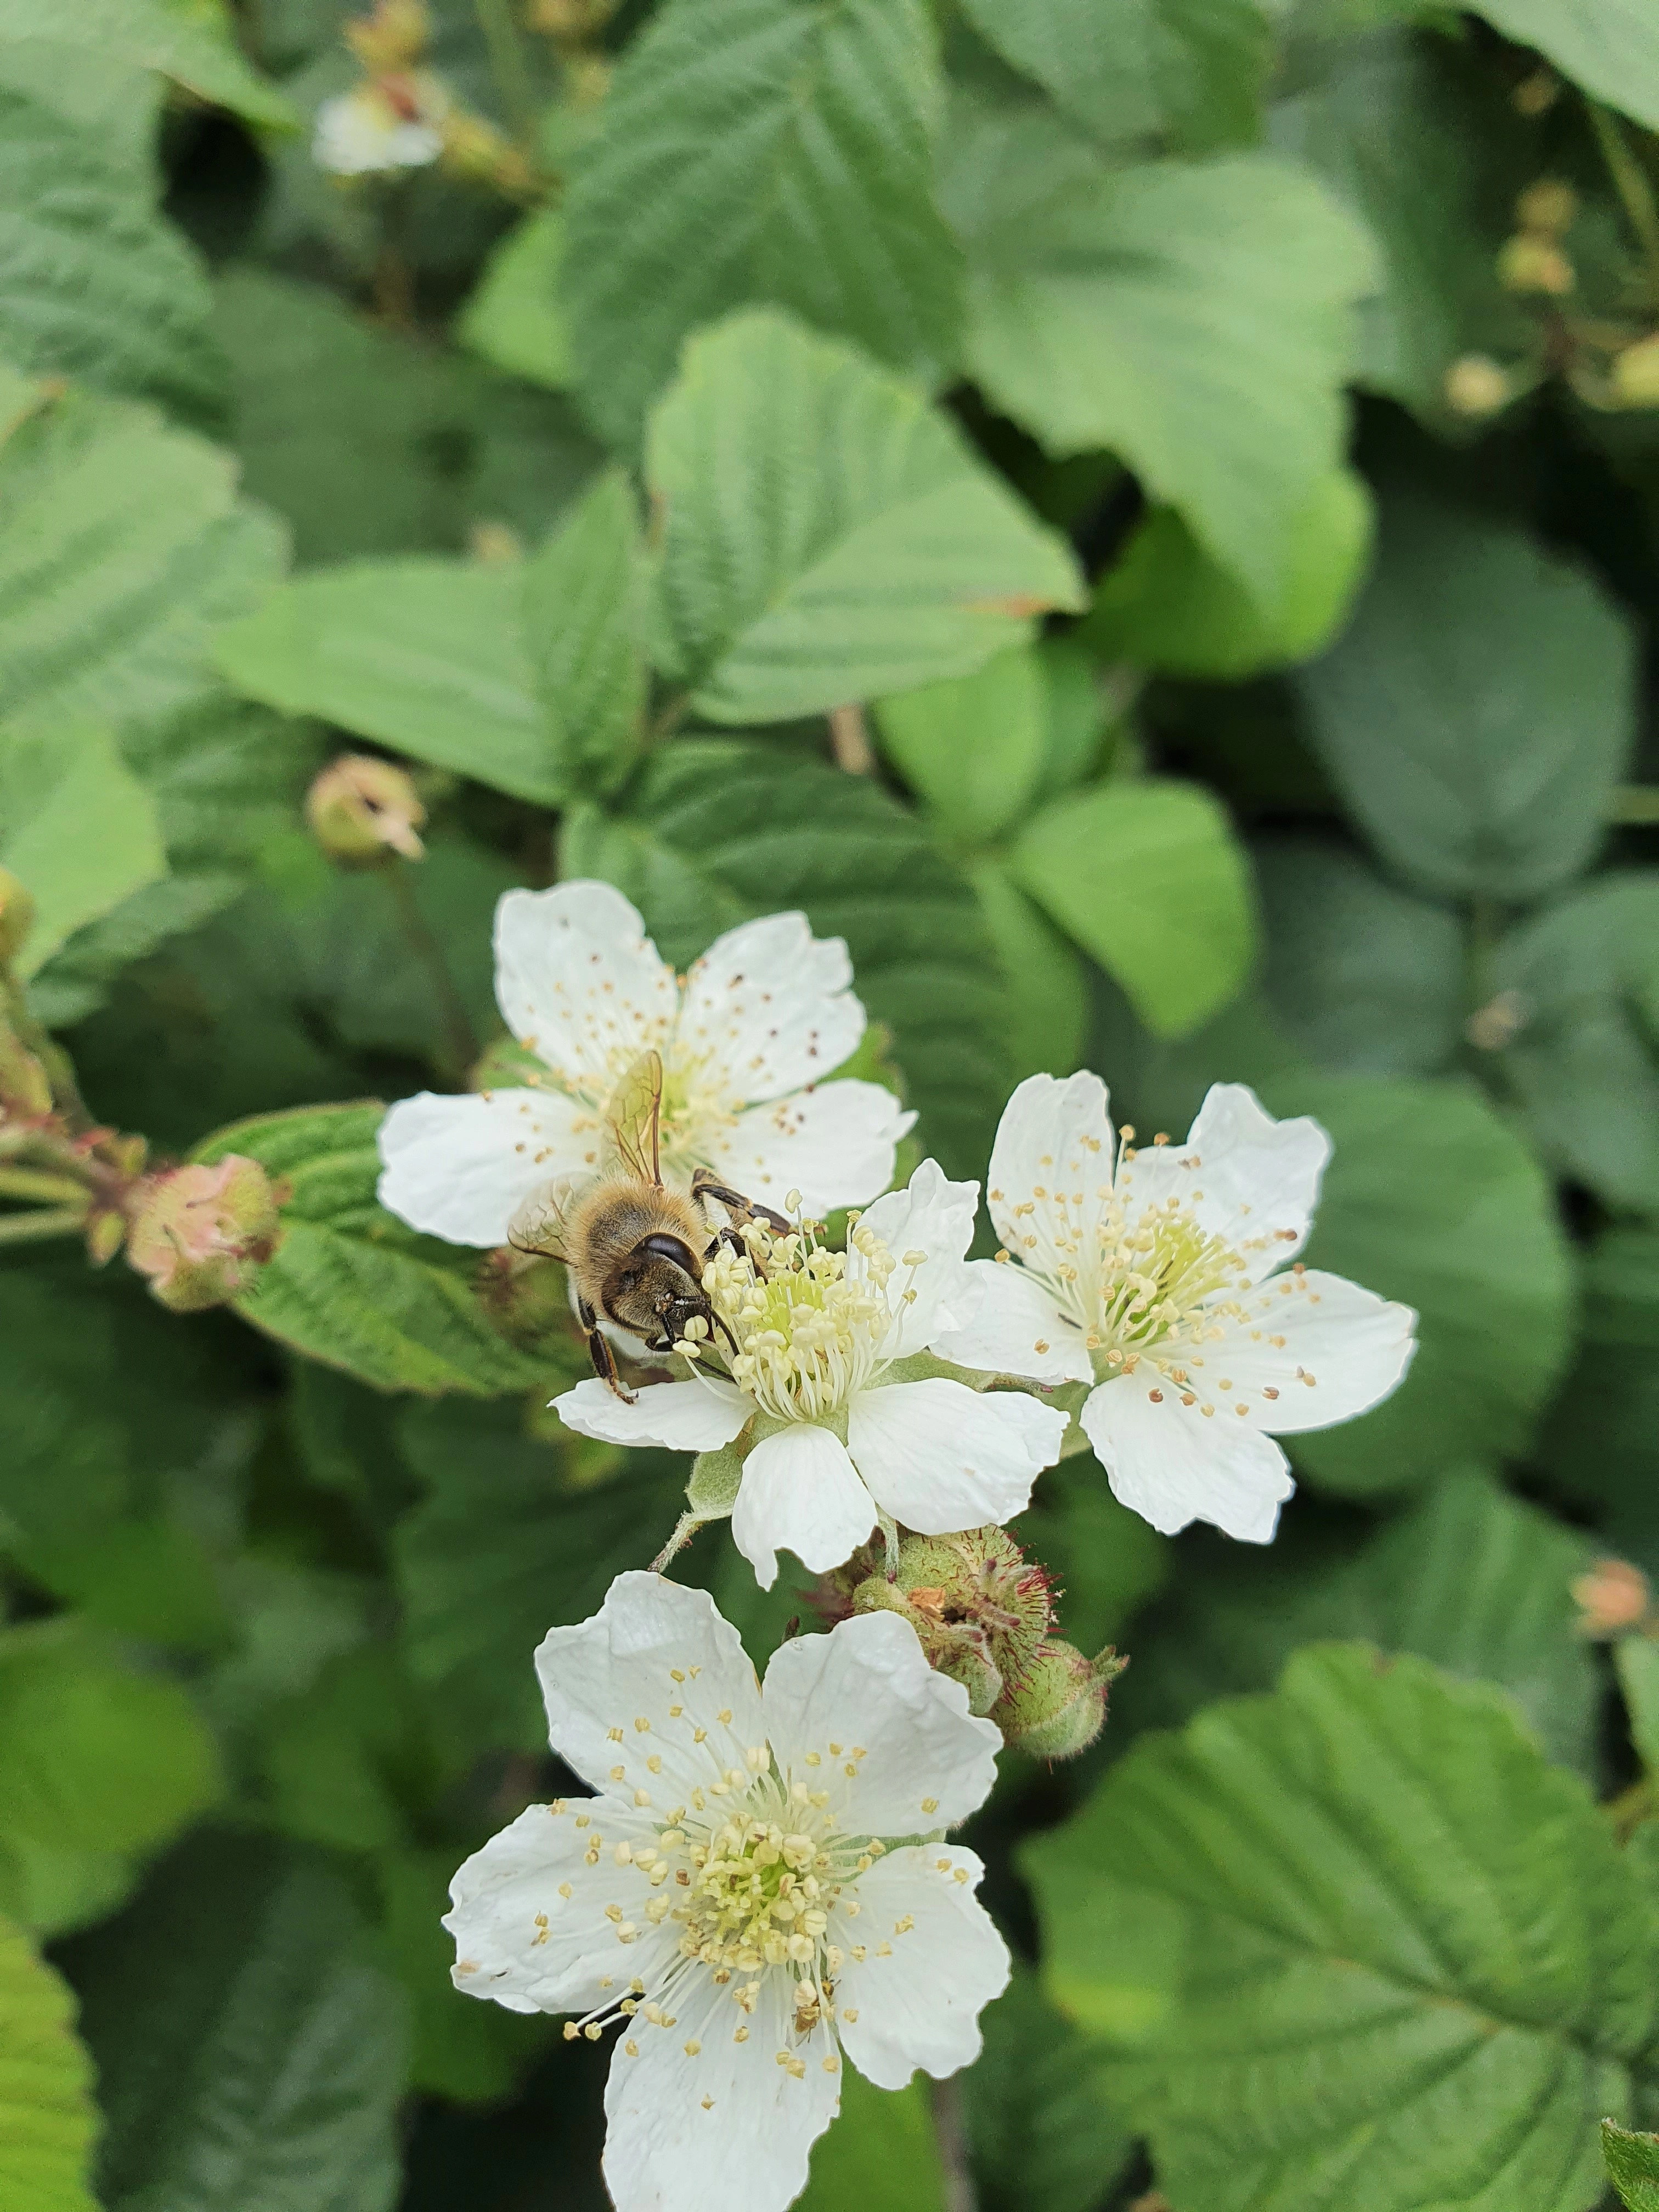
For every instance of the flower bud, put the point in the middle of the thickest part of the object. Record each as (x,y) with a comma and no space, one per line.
(1636,374)
(980,1608)
(1613,1598)
(1529,263)
(1475,384)
(25,1086)
(199,1233)
(17,915)
(1057,1708)
(1547,207)
(362,811)
(393,38)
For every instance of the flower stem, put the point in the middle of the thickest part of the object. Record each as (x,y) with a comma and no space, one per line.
(32,1228)
(29,1183)
(955,2172)
(460,1042)
(850,741)
(510,68)
(1634,188)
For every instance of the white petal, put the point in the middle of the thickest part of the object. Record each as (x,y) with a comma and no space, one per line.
(1016,1329)
(580,982)
(1313,1350)
(519,1941)
(920,2006)
(768,1006)
(939,1457)
(835,1145)
(728,2130)
(935,1217)
(1055,1132)
(800,1490)
(1172,1464)
(617,1669)
(460,1167)
(694,1417)
(923,1760)
(1249,1179)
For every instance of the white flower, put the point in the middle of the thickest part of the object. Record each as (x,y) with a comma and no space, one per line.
(745,1039)
(812,1334)
(1153,1273)
(389,123)
(728,1898)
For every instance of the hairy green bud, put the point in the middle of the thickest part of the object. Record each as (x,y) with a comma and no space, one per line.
(980,1608)
(1058,1707)
(362,810)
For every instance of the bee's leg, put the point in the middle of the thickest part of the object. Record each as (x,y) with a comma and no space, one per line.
(703,1185)
(599,1351)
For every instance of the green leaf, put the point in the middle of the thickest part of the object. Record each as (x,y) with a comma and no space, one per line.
(247,2055)
(583,623)
(78,829)
(1584,1059)
(508,1539)
(97,1765)
(311,379)
(1479,709)
(1149,879)
(1043,2127)
(1637,1662)
(1471,1578)
(93,283)
(515,317)
(422,654)
(1167,605)
(1189,70)
(1431,1198)
(882,2155)
(350,1285)
(1369,980)
(1355,1943)
(1612,49)
(1601,1441)
(716,831)
(1046,983)
(1194,319)
(974,747)
(47,2116)
(773,150)
(1632,2162)
(827,535)
(1429,155)
(192,41)
(121,546)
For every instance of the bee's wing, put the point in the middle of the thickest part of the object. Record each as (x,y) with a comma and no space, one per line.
(636,1117)
(538,1224)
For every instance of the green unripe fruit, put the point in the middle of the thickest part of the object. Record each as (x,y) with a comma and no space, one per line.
(1058,1708)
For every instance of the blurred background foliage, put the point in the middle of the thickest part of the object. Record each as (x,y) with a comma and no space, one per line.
(1141,515)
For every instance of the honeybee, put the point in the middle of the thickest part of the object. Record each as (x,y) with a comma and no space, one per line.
(635,1247)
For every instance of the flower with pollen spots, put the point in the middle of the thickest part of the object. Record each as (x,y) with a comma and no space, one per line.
(1166,1276)
(801,1359)
(746,1040)
(739,2001)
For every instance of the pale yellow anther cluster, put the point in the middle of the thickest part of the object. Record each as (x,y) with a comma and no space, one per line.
(808,1324)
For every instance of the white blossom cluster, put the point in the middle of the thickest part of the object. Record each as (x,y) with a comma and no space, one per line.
(761,1883)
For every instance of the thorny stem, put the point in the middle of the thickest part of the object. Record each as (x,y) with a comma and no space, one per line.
(461,1042)
(1633,186)
(510,70)
(957,2173)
